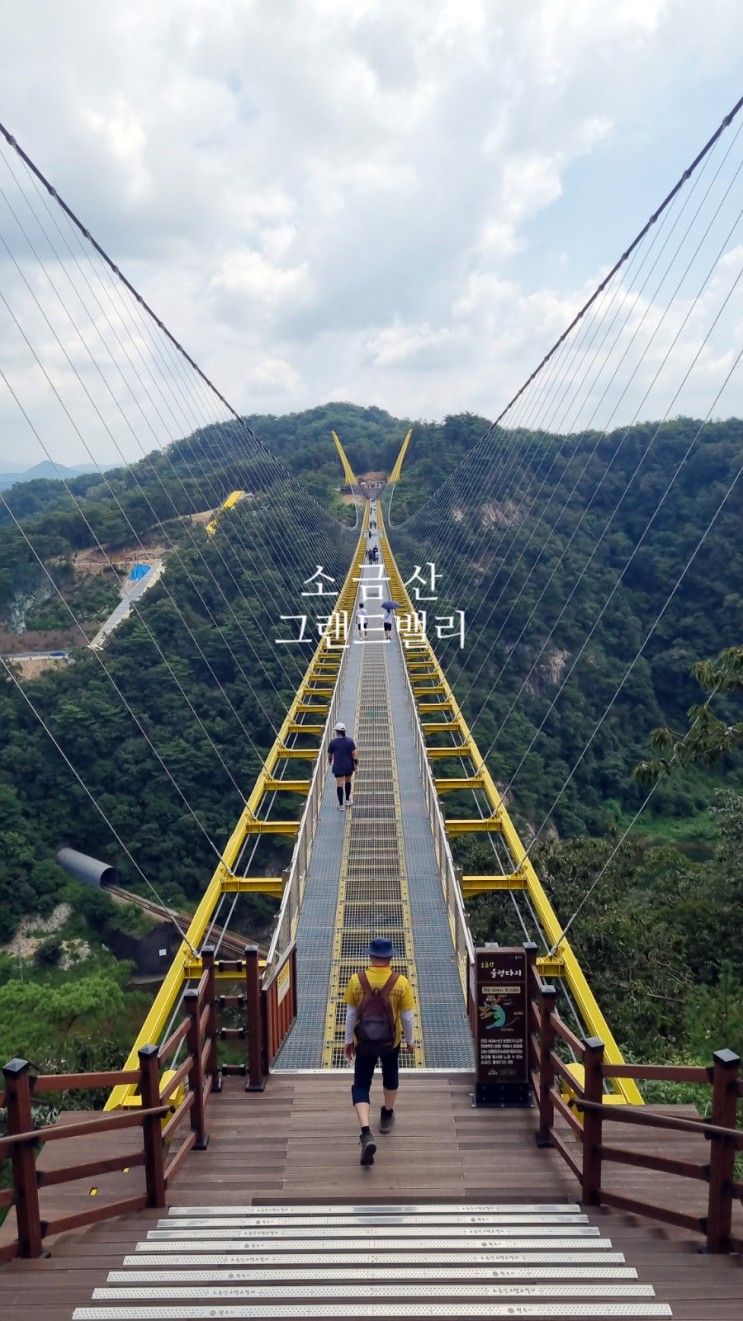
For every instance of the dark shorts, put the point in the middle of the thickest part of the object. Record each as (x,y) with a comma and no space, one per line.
(388,628)
(345,768)
(363,1072)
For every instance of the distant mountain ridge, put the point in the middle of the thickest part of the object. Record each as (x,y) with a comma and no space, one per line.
(46,471)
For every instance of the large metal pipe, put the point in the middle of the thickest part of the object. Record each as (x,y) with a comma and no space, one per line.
(86,869)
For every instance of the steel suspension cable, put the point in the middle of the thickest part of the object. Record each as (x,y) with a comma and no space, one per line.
(603,475)
(109,432)
(78,224)
(659,616)
(74,499)
(622,260)
(620,841)
(9,671)
(628,310)
(127,706)
(636,548)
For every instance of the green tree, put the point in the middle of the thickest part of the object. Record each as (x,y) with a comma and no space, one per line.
(51,1025)
(710,736)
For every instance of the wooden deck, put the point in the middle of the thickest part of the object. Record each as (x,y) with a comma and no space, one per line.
(297,1142)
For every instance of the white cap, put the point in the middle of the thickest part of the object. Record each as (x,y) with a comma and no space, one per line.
(340,728)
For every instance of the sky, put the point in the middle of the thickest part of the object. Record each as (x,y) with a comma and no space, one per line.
(389,202)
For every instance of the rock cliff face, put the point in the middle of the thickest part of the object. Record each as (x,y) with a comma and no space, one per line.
(505,513)
(22,602)
(549,672)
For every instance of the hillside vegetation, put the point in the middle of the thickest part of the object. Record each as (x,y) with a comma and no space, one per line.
(231,672)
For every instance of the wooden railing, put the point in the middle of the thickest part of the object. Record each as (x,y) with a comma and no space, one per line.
(270,1007)
(167,1098)
(581,1104)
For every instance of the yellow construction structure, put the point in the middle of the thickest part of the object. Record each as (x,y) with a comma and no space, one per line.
(232,499)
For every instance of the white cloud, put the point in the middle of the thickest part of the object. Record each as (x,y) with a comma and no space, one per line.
(408,344)
(246,283)
(272,376)
(316,194)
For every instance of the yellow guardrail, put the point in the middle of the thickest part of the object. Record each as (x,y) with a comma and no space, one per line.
(428,679)
(325,663)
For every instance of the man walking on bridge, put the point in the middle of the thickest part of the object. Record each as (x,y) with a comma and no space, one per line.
(379,1011)
(343,759)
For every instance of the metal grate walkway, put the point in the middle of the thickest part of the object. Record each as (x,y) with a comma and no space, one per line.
(442,1015)
(373,894)
(373,872)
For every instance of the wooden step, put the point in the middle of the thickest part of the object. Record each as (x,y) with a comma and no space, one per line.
(538,1259)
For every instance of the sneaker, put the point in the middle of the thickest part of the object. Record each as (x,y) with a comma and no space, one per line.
(386,1120)
(368,1148)
(348,802)
(341,807)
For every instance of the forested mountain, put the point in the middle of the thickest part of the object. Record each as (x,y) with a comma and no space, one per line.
(513,575)
(579,578)
(41,470)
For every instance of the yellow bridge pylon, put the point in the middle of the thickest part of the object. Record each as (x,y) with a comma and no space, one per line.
(397,469)
(348,471)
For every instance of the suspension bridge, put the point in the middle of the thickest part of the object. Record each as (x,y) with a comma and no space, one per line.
(221,1177)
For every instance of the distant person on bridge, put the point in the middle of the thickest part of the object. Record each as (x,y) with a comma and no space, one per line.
(379,1011)
(362,619)
(343,759)
(387,621)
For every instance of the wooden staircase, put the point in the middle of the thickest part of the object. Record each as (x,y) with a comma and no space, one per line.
(476,1260)
(459,1201)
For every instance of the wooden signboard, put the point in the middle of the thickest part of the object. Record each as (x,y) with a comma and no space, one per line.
(501,1044)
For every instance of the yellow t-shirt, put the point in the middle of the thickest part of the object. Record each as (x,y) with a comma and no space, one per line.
(401,995)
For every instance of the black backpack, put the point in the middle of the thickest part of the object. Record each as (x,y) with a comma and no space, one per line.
(375,1026)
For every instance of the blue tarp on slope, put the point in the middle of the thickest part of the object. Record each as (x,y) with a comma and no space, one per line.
(138,572)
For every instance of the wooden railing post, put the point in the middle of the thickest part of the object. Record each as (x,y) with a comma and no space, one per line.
(530,950)
(194,1042)
(212,1031)
(593,1122)
(547,999)
(253,1021)
(722,1153)
(25,1184)
(152,1133)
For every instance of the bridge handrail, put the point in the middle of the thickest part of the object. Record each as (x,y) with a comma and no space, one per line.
(461,935)
(23,1140)
(296,874)
(166,1006)
(583,1095)
(165,1098)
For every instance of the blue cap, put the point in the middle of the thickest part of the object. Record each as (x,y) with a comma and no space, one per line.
(381,947)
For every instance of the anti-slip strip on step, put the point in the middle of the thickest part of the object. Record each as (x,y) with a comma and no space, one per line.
(389,1273)
(335,1209)
(429,1223)
(391,1309)
(485,1243)
(402,1232)
(361,1288)
(433,1257)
